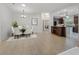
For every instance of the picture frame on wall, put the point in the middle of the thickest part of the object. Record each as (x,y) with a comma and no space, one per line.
(34,21)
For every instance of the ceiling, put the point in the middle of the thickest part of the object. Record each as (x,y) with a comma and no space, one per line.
(40,7)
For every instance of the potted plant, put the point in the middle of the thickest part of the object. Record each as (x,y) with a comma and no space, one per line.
(15,24)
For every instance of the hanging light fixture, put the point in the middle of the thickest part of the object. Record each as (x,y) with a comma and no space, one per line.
(23,16)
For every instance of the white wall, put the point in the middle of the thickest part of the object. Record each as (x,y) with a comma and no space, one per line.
(5,20)
(28,21)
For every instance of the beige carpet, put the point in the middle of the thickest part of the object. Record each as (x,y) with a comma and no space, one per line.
(32,36)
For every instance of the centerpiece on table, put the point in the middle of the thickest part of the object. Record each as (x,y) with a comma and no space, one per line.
(22,29)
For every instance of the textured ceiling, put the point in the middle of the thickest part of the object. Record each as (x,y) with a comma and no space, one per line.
(40,7)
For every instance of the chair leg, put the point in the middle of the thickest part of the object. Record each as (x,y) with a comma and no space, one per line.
(18,36)
(14,36)
(29,34)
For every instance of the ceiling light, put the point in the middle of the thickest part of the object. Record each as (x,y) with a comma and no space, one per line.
(23,5)
(22,16)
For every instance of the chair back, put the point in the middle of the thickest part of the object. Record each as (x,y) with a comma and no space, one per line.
(16,31)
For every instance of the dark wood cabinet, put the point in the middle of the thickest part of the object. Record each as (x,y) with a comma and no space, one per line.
(58,30)
(58,26)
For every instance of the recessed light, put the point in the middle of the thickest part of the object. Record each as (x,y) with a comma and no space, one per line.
(23,5)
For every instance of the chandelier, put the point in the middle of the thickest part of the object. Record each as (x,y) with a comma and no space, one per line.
(23,15)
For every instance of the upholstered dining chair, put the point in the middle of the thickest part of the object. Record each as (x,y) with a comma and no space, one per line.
(16,32)
(28,31)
